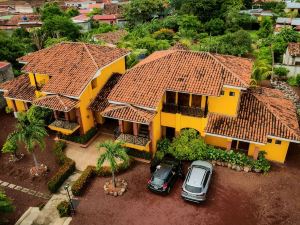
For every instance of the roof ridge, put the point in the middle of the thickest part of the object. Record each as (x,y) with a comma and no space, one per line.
(138,111)
(107,109)
(223,65)
(276,116)
(60,100)
(90,55)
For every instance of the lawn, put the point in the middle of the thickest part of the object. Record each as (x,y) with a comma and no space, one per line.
(234,198)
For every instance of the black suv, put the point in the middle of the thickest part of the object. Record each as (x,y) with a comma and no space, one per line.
(165,175)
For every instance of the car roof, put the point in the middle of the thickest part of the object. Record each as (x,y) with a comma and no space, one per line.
(196,176)
(163,171)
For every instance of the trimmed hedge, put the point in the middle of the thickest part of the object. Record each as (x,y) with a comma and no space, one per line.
(83,138)
(62,174)
(66,169)
(64,209)
(138,154)
(80,184)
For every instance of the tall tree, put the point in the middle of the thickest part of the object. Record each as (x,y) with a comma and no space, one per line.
(113,151)
(49,10)
(31,132)
(140,11)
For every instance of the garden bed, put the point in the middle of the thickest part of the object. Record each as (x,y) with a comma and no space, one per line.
(18,172)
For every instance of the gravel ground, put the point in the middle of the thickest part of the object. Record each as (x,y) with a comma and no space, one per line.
(234,198)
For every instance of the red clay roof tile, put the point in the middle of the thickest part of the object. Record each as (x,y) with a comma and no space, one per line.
(56,102)
(199,73)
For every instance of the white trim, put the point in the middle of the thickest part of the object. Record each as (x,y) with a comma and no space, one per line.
(50,93)
(283,139)
(234,87)
(22,62)
(217,135)
(127,104)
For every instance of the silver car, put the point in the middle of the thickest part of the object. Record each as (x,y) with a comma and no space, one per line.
(197,181)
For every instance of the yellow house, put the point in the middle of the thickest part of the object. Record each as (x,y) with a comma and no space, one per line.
(172,90)
(65,78)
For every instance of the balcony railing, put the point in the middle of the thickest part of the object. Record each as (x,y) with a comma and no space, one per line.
(64,126)
(137,140)
(184,110)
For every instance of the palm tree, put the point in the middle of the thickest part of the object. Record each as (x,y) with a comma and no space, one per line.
(114,150)
(261,70)
(29,131)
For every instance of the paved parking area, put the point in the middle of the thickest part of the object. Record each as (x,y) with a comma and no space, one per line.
(234,198)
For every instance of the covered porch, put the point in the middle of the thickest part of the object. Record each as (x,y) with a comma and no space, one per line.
(134,126)
(67,115)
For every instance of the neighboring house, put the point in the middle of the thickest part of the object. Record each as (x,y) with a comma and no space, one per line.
(83,21)
(111,38)
(6,74)
(285,21)
(23,7)
(258,13)
(292,7)
(291,59)
(65,78)
(12,22)
(110,19)
(81,4)
(173,90)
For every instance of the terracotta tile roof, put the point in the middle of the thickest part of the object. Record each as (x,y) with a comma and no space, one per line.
(294,49)
(19,88)
(104,17)
(128,113)
(3,65)
(71,65)
(261,113)
(199,73)
(111,37)
(56,102)
(101,102)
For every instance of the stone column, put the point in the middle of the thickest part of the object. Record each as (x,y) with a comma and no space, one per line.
(121,126)
(135,129)
(79,121)
(228,145)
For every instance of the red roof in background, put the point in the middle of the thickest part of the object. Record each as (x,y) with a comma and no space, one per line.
(84,11)
(81,17)
(104,17)
(92,6)
(3,64)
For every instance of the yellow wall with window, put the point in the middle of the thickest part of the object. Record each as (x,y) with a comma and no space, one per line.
(87,117)
(275,152)
(225,104)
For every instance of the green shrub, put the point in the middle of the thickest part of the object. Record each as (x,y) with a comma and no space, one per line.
(83,138)
(58,151)
(105,171)
(164,34)
(163,145)
(138,154)
(80,184)
(281,71)
(64,209)
(61,175)
(8,110)
(261,163)
(298,80)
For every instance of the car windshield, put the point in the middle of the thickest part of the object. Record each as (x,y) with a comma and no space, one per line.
(157,181)
(193,189)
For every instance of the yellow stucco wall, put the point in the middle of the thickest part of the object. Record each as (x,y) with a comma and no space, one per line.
(274,152)
(216,141)
(40,78)
(225,104)
(9,103)
(179,122)
(88,120)
(20,106)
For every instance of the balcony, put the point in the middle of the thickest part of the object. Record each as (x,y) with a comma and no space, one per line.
(136,140)
(184,110)
(64,127)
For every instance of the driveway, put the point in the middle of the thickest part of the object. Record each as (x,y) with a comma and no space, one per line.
(234,198)
(87,156)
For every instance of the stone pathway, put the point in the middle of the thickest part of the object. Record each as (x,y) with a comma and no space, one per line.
(25,190)
(49,214)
